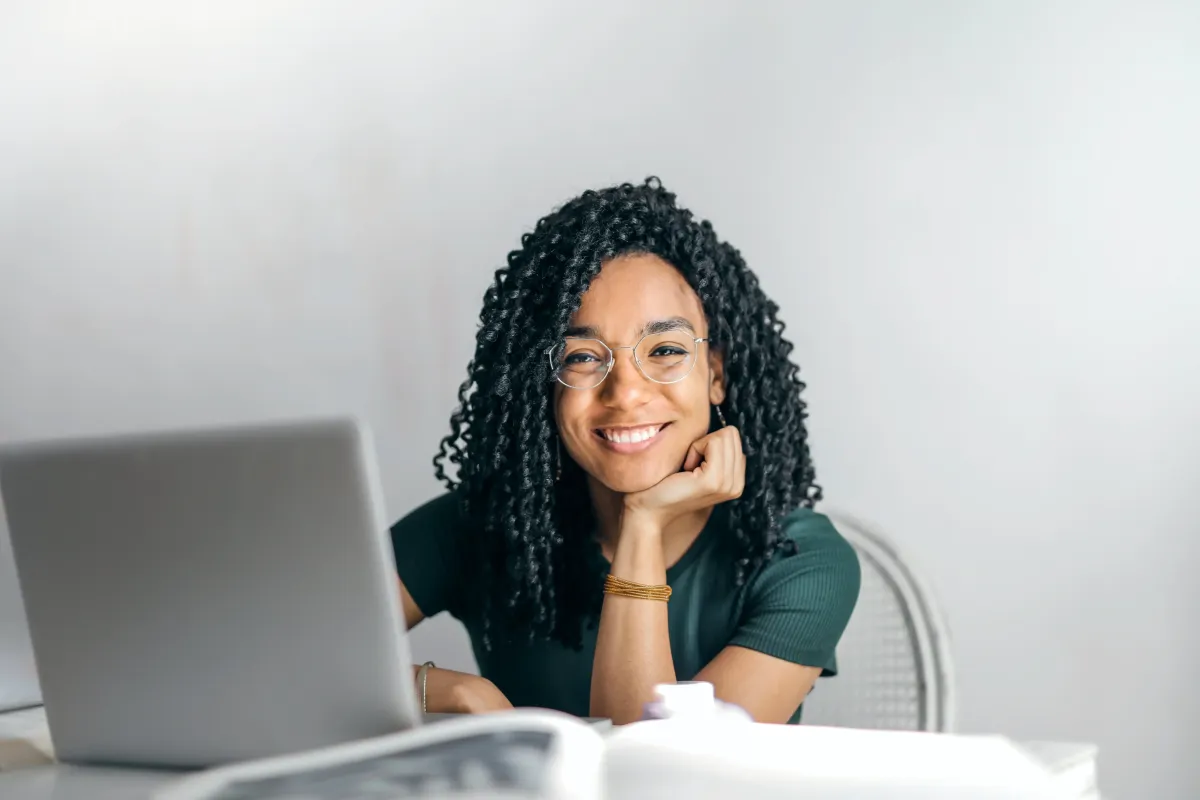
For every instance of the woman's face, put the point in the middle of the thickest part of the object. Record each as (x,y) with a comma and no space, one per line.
(629,432)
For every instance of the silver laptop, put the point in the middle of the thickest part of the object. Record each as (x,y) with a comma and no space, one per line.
(18,677)
(203,597)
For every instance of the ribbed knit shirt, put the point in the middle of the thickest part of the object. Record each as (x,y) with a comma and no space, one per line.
(794,607)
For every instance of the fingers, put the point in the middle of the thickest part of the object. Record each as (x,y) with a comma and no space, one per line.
(735,463)
(735,460)
(714,471)
(739,468)
(702,455)
(732,459)
(720,462)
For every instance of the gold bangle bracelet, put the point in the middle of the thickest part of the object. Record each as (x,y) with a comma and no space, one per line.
(638,591)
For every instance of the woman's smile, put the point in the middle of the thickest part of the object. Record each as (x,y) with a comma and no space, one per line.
(631,439)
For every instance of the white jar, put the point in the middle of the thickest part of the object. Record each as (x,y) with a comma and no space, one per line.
(691,700)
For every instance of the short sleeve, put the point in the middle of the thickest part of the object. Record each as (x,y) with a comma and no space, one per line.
(797,607)
(425,544)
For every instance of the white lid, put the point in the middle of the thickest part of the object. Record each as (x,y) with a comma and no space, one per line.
(686,697)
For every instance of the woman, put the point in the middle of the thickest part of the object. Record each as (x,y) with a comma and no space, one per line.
(631,411)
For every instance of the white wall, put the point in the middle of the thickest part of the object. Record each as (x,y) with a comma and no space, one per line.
(980,219)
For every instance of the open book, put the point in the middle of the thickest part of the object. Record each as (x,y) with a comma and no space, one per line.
(519,754)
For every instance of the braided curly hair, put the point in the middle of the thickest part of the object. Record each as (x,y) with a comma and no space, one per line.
(531,544)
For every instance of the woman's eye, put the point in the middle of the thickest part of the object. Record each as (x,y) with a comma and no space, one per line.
(579,358)
(667,350)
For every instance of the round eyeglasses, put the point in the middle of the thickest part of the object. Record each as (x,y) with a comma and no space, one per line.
(581,363)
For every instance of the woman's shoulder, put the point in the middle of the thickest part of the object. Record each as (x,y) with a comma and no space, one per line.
(799,602)
(427,544)
(436,528)
(821,558)
(809,528)
(441,512)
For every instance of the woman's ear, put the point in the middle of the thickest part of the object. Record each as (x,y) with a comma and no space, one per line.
(716,371)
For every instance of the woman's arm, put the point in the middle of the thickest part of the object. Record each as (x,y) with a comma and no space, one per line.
(425,545)
(447,691)
(633,645)
(795,613)
(768,688)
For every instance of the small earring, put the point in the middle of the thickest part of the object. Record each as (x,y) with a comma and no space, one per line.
(558,460)
(720,416)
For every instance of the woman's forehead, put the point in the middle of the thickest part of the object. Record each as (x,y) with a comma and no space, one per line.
(633,292)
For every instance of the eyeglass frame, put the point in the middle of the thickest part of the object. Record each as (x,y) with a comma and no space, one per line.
(612,359)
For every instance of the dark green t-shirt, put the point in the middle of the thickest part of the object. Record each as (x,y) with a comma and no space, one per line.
(794,607)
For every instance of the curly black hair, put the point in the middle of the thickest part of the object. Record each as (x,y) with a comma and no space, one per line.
(531,544)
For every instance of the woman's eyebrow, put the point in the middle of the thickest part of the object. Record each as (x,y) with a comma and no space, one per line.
(582,332)
(650,328)
(667,325)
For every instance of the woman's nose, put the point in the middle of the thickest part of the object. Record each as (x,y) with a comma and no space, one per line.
(625,384)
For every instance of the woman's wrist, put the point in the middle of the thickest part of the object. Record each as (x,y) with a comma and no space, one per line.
(639,551)
(447,691)
(423,684)
(640,524)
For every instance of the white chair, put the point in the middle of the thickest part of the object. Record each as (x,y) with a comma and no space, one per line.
(895,669)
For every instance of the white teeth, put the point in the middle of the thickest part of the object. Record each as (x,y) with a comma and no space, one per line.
(631,436)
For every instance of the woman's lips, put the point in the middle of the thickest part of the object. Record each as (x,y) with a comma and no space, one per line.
(630,438)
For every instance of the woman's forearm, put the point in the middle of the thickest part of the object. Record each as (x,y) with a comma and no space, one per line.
(447,691)
(633,644)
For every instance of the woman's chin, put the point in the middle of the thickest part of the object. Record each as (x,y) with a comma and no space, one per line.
(632,482)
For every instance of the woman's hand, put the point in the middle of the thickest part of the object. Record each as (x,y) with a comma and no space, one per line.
(447,691)
(713,471)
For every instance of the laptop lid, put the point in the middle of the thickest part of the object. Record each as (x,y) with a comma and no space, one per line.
(203,597)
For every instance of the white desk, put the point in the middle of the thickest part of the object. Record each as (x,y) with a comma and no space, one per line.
(80,783)
(49,781)
(27,769)
(84,783)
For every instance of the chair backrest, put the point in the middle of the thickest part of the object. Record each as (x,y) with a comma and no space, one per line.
(895,669)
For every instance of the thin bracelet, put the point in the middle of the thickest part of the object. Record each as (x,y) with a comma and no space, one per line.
(638,591)
(422,678)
